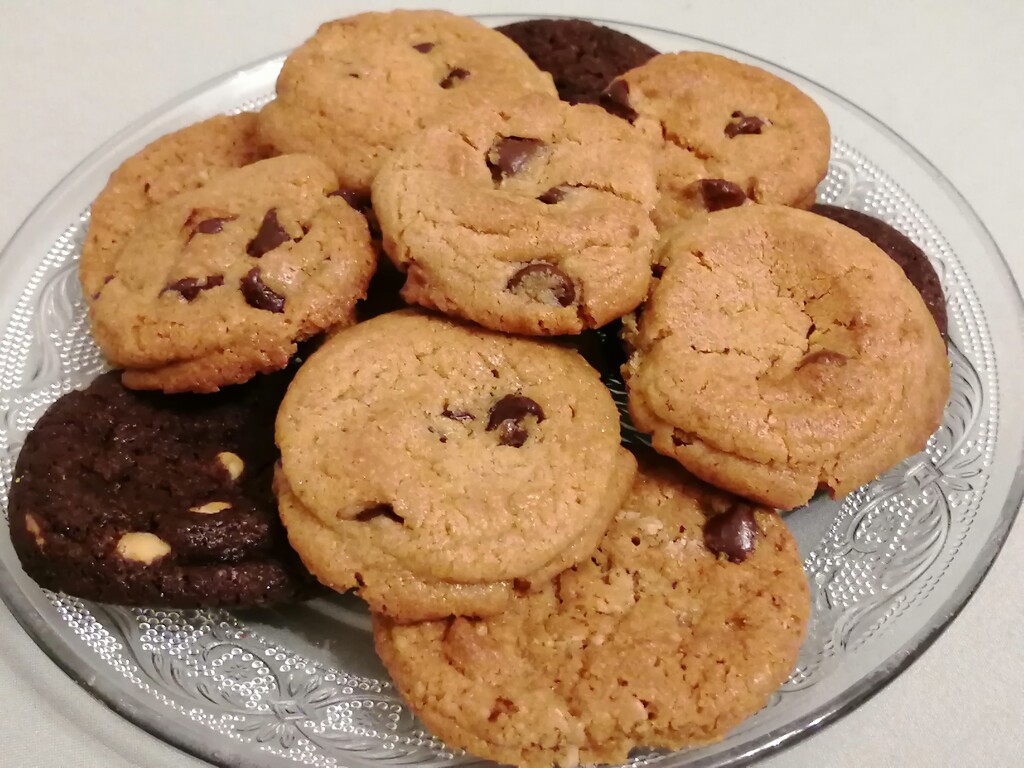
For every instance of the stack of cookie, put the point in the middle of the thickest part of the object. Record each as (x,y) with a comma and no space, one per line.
(539,596)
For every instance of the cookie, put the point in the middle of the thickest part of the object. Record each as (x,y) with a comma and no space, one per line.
(780,351)
(175,163)
(459,455)
(355,554)
(582,57)
(728,133)
(361,84)
(685,620)
(533,219)
(900,249)
(220,283)
(139,498)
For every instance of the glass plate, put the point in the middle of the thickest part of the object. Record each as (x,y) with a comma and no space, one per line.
(889,566)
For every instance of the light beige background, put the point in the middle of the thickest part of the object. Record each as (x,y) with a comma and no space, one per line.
(948,76)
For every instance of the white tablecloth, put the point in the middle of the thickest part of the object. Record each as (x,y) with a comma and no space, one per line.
(946,76)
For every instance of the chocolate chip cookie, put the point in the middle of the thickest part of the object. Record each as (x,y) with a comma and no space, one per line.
(460,456)
(779,352)
(175,163)
(220,283)
(582,57)
(900,249)
(728,133)
(160,500)
(361,84)
(356,554)
(530,219)
(685,620)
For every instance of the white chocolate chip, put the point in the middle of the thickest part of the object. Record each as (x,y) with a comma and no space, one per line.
(232,463)
(211,508)
(142,547)
(35,530)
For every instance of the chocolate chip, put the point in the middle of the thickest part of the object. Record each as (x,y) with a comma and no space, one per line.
(190,287)
(354,197)
(507,416)
(615,101)
(545,283)
(452,77)
(719,194)
(270,235)
(515,407)
(510,154)
(211,226)
(424,47)
(824,357)
(258,295)
(732,533)
(457,415)
(744,124)
(552,196)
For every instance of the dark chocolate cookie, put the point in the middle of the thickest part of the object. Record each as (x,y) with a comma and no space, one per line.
(901,250)
(161,500)
(583,58)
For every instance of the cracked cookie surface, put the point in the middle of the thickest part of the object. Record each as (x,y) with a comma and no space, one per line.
(731,125)
(464,456)
(361,84)
(180,161)
(656,640)
(530,219)
(779,352)
(220,283)
(140,498)
(903,251)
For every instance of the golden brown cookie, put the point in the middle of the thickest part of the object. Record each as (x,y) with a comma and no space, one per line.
(903,251)
(460,455)
(530,219)
(728,132)
(779,352)
(355,554)
(361,84)
(685,620)
(175,163)
(220,283)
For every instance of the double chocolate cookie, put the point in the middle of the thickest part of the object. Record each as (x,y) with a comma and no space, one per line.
(147,499)
(582,57)
(681,624)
